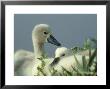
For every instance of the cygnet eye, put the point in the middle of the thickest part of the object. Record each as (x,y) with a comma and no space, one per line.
(45,33)
(63,55)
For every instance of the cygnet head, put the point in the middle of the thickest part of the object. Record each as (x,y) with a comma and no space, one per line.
(61,53)
(42,33)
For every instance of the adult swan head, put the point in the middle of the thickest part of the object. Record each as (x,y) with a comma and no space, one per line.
(40,35)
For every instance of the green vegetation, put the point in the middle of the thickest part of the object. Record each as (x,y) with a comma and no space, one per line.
(86,68)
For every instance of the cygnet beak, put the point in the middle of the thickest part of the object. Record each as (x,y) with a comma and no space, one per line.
(55,61)
(52,40)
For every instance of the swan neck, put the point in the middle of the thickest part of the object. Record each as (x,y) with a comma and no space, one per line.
(38,50)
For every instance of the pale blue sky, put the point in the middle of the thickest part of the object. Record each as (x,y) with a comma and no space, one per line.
(69,29)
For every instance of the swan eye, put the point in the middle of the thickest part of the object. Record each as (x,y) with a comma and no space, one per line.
(63,54)
(45,33)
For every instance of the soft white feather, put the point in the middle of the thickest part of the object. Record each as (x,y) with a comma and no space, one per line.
(68,60)
(25,62)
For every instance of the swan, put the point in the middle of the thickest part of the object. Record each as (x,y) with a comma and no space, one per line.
(24,60)
(65,58)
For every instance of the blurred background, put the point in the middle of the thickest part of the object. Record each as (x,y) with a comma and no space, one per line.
(69,29)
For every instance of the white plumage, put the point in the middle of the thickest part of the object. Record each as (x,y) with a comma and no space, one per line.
(25,61)
(66,59)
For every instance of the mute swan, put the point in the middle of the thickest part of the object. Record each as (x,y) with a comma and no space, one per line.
(65,58)
(24,61)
